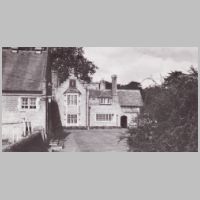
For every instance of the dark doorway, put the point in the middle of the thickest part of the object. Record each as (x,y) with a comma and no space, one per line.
(124,121)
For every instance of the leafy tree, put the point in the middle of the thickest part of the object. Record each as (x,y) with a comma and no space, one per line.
(63,59)
(130,86)
(173,105)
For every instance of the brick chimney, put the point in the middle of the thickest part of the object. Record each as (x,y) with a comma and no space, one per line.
(114,89)
(102,85)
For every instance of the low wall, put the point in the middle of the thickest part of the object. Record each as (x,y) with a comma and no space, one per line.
(33,143)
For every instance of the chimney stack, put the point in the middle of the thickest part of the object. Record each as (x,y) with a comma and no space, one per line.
(114,88)
(102,85)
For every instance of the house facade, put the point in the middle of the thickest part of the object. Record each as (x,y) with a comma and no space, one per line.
(25,104)
(91,105)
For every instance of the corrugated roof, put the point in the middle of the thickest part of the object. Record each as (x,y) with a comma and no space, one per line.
(23,71)
(126,97)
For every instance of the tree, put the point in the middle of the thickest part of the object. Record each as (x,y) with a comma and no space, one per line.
(173,105)
(63,59)
(130,86)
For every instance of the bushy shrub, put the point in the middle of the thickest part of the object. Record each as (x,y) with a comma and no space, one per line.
(170,117)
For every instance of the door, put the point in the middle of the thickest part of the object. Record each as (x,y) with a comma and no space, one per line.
(124,121)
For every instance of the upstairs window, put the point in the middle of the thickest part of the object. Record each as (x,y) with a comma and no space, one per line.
(72,99)
(24,103)
(105,101)
(72,83)
(28,103)
(32,103)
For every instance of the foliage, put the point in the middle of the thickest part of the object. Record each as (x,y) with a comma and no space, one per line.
(169,121)
(63,59)
(130,86)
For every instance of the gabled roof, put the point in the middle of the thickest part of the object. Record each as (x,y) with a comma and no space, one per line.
(126,97)
(23,71)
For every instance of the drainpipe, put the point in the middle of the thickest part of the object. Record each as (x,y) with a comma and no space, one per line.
(89,118)
(86,108)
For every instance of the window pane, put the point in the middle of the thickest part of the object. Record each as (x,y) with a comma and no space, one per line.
(24,103)
(71,119)
(75,99)
(72,83)
(32,103)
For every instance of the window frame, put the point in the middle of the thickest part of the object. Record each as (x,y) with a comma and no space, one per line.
(25,103)
(72,83)
(105,101)
(72,99)
(101,117)
(72,119)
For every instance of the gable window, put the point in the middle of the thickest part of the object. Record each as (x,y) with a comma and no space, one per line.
(72,83)
(72,99)
(105,101)
(104,117)
(28,103)
(71,119)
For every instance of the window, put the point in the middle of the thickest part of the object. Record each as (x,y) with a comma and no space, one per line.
(71,119)
(32,103)
(28,103)
(72,99)
(24,103)
(104,117)
(105,101)
(72,83)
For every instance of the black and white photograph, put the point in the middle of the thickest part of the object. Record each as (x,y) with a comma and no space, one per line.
(99,99)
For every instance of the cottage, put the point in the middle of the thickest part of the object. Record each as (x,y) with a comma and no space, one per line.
(25,92)
(92,105)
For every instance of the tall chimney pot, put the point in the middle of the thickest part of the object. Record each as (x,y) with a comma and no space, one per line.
(102,85)
(114,88)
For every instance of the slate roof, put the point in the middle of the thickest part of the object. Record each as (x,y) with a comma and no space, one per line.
(130,98)
(126,97)
(23,71)
(100,93)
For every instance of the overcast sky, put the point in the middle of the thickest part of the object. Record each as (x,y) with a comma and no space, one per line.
(138,63)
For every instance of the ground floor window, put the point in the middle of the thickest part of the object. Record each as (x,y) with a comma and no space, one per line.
(104,117)
(71,119)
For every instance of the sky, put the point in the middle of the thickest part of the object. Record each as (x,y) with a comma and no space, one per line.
(140,63)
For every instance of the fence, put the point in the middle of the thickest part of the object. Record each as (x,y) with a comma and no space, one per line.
(14,132)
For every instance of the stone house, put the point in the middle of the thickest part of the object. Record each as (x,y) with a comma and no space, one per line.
(25,93)
(91,105)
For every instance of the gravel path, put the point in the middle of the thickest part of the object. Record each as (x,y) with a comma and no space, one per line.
(95,140)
